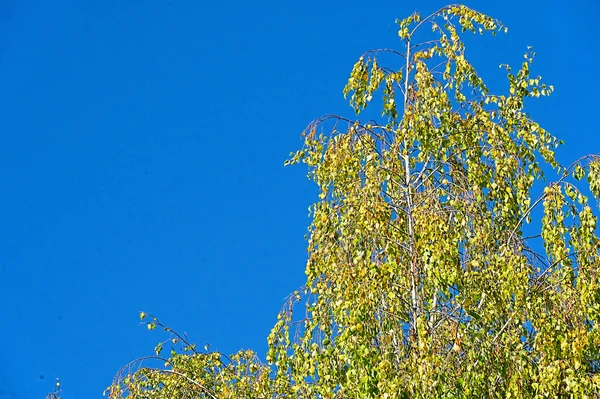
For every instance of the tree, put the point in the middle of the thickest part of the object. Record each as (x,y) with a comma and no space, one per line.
(422,279)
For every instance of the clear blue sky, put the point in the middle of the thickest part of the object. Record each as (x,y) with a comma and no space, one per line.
(141,161)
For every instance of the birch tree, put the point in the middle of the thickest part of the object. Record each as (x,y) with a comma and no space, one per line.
(426,275)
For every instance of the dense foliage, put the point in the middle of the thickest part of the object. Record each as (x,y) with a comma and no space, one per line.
(426,277)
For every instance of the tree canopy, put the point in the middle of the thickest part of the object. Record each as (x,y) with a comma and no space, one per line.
(427,275)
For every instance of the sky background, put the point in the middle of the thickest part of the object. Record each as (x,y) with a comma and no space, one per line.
(141,161)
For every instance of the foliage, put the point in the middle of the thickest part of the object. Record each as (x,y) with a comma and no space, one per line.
(189,373)
(55,394)
(421,281)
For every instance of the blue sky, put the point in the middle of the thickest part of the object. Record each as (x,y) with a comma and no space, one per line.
(141,161)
